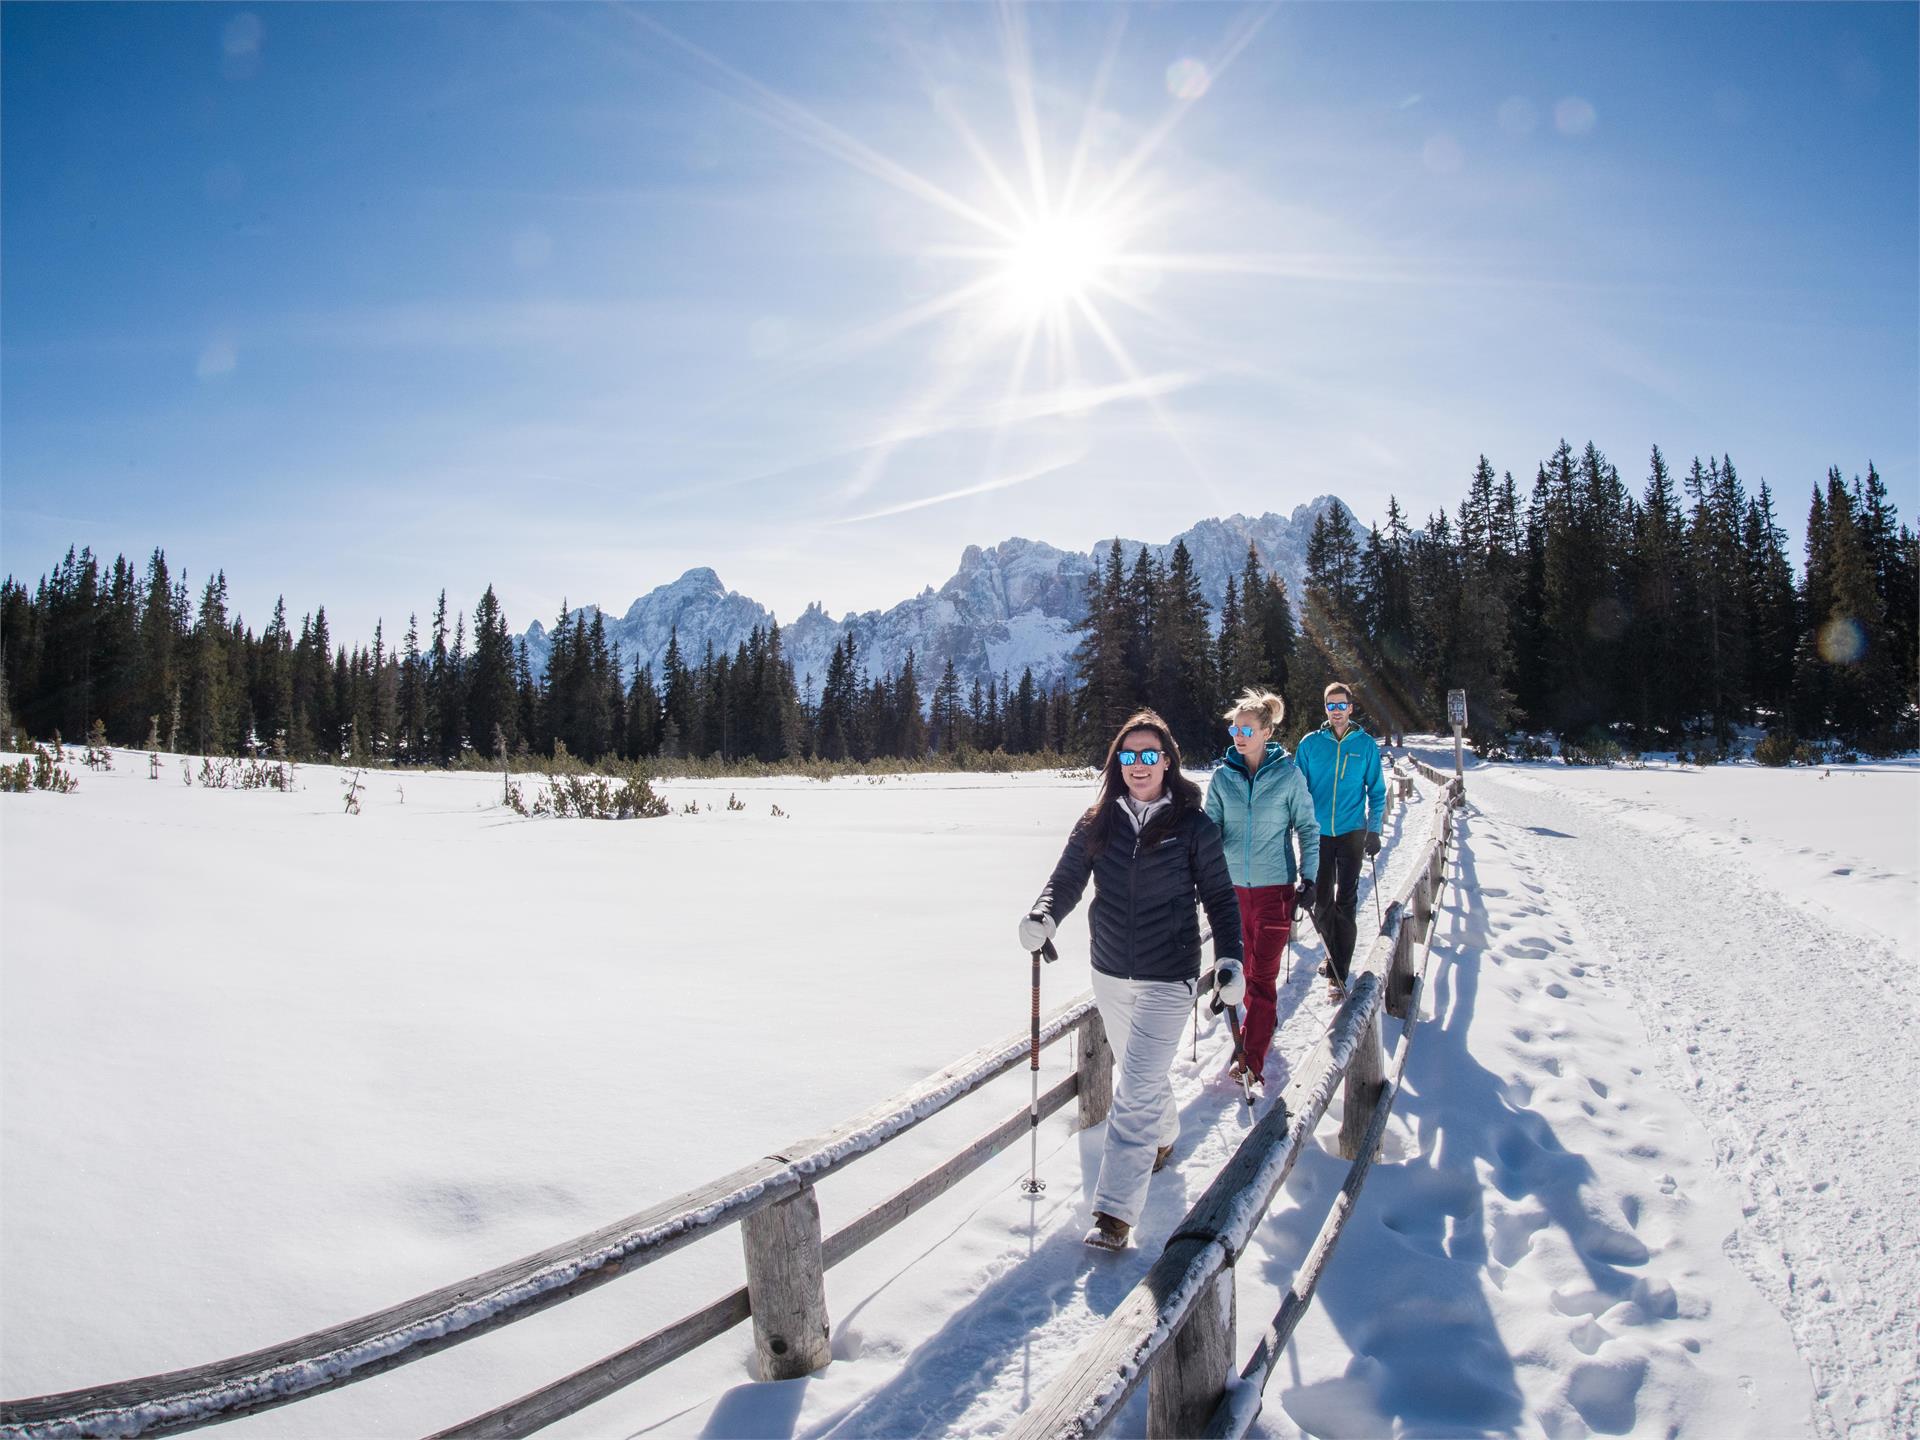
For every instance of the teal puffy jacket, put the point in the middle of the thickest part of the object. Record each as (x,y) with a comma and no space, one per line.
(1349,790)
(1255,812)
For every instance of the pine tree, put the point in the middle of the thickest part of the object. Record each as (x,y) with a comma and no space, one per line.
(491,701)
(677,691)
(1720,586)
(1659,636)
(1139,622)
(910,724)
(1181,682)
(1331,612)
(1772,608)
(949,727)
(643,715)
(1100,662)
(412,698)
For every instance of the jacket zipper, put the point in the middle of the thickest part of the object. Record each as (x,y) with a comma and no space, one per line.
(1333,820)
(1133,896)
(1250,780)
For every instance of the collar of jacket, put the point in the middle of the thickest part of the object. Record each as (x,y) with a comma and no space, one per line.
(1276,752)
(1352,729)
(1140,814)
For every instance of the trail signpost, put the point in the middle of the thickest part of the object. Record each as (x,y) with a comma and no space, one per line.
(1457,717)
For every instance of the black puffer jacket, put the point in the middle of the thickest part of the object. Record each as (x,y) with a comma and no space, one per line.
(1142,920)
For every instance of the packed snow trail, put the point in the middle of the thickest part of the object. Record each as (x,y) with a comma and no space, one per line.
(1791,1036)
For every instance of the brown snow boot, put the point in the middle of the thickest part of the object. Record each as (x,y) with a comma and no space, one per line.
(1108,1233)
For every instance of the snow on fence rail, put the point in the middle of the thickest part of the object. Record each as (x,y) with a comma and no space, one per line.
(1175,1329)
(772,1200)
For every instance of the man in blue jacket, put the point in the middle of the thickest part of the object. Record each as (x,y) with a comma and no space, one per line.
(1341,763)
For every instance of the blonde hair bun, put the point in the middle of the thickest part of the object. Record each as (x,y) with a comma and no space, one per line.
(1268,706)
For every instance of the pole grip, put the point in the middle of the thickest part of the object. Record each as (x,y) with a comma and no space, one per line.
(1034,1049)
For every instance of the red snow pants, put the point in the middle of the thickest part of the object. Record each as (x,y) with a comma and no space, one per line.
(1266,920)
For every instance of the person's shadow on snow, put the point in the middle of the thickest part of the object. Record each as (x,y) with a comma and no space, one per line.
(1427,1350)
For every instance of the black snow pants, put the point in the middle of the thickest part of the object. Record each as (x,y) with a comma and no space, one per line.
(1341,857)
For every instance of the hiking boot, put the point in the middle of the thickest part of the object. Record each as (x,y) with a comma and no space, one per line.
(1164,1154)
(1108,1233)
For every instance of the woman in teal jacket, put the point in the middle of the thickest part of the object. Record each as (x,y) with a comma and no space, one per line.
(1259,799)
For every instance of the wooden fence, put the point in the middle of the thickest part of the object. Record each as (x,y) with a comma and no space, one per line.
(773,1201)
(1176,1328)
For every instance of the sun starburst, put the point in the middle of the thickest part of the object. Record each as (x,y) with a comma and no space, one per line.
(1045,250)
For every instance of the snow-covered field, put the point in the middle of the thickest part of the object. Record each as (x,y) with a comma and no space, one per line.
(268,1066)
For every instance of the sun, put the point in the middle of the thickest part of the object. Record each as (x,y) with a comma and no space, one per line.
(1055,262)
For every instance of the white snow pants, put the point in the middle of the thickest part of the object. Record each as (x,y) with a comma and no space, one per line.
(1144,1019)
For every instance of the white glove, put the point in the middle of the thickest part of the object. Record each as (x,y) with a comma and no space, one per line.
(1035,931)
(1229,982)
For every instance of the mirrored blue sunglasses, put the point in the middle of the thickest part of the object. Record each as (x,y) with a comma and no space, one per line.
(1239,729)
(1339,705)
(1140,757)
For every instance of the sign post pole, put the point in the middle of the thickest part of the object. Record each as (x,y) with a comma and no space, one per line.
(1457,716)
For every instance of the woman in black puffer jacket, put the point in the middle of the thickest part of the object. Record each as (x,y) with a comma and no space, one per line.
(1150,851)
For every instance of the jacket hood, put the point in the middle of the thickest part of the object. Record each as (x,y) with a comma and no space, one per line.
(1276,752)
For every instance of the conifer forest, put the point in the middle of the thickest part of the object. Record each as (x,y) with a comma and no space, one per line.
(1662,619)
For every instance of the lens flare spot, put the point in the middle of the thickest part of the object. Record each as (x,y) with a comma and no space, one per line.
(1575,117)
(218,357)
(1188,79)
(1842,641)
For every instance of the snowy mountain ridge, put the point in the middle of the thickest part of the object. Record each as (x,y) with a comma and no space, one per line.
(1006,607)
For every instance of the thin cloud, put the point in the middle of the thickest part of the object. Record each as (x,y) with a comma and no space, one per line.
(1003,482)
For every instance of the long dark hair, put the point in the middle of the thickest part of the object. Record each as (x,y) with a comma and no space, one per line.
(1103,815)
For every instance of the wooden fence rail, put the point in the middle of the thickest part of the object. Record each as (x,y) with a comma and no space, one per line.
(772,1199)
(1175,1330)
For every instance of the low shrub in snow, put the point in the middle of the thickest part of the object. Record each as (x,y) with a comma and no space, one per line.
(1594,748)
(40,771)
(1517,746)
(588,797)
(1779,748)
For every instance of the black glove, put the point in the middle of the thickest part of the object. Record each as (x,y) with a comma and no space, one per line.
(1373,843)
(1304,894)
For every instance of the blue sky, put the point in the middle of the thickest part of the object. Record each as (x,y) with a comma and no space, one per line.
(361,301)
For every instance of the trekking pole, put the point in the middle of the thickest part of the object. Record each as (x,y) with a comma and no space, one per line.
(1373,863)
(1033,1184)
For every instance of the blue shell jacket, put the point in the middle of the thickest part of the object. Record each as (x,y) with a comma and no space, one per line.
(1349,790)
(1255,812)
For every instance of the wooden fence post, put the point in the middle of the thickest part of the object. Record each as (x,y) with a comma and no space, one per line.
(1189,1378)
(1366,1077)
(787,1287)
(1096,1071)
(1400,970)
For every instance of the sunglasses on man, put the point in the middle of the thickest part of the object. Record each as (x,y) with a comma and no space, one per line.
(1141,757)
(1339,705)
